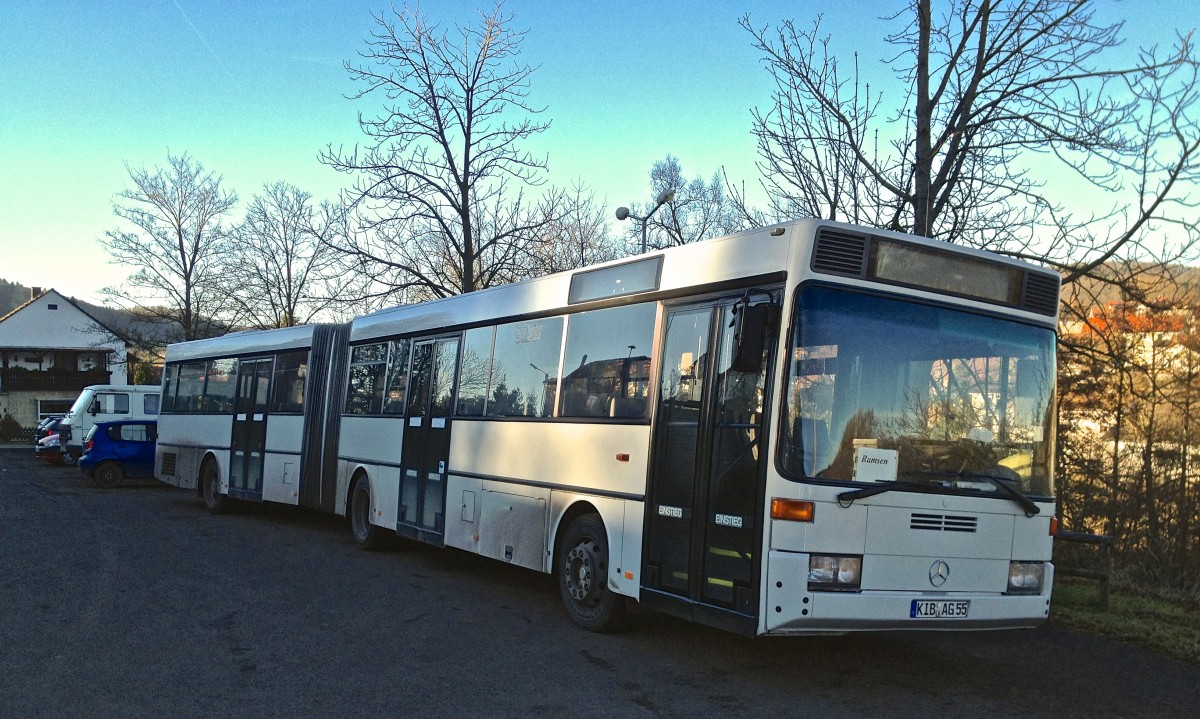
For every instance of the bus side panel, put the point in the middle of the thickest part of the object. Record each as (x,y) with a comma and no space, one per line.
(608,458)
(180,447)
(518,524)
(372,445)
(464,501)
(281,463)
(501,520)
(178,466)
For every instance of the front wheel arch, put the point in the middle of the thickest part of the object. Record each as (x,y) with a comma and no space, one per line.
(209,486)
(582,560)
(366,534)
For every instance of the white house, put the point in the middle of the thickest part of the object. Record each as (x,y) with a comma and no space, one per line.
(50,349)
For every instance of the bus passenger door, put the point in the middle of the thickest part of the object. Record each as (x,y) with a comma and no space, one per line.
(249,428)
(707,469)
(427,439)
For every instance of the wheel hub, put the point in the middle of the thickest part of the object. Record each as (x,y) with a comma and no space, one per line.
(581,565)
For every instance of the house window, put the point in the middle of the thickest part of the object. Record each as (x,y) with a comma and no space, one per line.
(86,361)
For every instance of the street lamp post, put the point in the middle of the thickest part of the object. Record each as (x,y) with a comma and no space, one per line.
(663,198)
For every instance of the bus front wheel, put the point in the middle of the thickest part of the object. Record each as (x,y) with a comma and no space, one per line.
(210,488)
(366,535)
(583,576)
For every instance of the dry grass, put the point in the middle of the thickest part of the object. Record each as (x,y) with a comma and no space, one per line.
(1167,625)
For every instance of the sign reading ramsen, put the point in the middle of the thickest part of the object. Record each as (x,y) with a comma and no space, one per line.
(875,465)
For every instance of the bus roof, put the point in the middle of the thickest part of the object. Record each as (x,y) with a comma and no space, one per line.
(247,342)
(759,252)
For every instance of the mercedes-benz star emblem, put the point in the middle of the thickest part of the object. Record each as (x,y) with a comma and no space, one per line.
(939,572)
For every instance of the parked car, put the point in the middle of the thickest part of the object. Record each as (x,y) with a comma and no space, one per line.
(43,426)
(113,451)
(104,403)
(45,444)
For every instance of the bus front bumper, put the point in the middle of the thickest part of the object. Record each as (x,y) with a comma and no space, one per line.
(791,608)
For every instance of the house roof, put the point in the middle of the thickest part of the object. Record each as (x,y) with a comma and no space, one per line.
(55,294)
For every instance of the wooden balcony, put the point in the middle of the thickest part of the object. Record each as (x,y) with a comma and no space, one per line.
(22,380)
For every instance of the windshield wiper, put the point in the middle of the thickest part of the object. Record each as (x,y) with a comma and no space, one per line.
(1013,493)
(850,496)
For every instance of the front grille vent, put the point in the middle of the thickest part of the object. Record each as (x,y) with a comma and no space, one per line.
(943,522)
(840,253)
(1041,293)
(168,464)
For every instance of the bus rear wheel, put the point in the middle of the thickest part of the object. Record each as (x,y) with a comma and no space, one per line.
(366,535)
(583,577)
(210,488)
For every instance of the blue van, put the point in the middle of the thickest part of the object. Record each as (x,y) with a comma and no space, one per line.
(113,451)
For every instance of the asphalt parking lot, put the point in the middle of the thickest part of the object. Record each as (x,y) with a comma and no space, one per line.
(134,602)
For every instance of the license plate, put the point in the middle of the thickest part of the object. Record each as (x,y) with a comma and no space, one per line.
(939,610)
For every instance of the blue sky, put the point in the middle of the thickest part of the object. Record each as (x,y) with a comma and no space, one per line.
(255,89)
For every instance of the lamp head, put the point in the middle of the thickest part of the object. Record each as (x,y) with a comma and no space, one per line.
(622,213)
(666,196)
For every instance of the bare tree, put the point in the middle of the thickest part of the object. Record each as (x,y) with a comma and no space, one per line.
(1128,387)
(985,88)
(174,239)
(700,209)
(285,273)
(576,234)
(443,179)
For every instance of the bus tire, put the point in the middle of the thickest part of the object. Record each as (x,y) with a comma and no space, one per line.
(582,569)
(366,535)
(108,475)
(210,488)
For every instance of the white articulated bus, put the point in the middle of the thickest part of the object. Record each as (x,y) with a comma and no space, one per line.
(247,416)
(811,427)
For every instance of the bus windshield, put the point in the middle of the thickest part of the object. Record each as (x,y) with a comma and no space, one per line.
(931,398)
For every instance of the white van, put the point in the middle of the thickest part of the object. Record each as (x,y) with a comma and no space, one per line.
(104,403)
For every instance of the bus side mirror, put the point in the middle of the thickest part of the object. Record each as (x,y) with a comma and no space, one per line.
(94,407)
(751,323)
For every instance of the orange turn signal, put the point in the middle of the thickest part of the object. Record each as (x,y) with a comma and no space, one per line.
(1053,525)
(795,510)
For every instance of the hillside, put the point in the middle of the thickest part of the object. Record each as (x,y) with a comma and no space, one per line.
(12,296)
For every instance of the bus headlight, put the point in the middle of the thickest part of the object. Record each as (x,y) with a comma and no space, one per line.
(1026,577)
(836,573)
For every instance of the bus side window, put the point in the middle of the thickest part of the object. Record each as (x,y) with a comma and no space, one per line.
(606,366)
(190,387)
(397,378)
(291,370)
(474,371)
(524,377)
(364,390)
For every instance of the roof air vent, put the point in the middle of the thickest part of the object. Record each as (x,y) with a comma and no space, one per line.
(840,253)
(1041,293)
